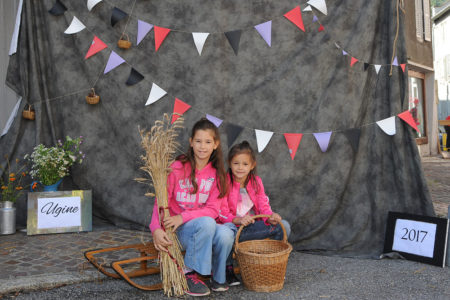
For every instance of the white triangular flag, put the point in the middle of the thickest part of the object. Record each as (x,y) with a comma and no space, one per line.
(377,68)
(92,3)
(308,8)
(199,40)
(262,138)
(156,93)
(319,4)
(388,125)
(75,26)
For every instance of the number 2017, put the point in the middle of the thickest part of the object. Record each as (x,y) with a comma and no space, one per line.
(414,235)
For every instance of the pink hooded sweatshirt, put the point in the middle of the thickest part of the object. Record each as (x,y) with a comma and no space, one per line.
(255,190)
(205,202)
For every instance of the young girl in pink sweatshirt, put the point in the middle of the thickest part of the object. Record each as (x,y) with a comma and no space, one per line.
(195,188)
(246,197)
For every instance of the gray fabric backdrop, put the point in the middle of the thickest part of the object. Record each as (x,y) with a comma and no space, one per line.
(337,202)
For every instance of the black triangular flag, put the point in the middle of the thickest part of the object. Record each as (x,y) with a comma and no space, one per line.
(233,38)
(117,15)
(233,131)
(366,66)
(134,77)
(58,9)
(353,137)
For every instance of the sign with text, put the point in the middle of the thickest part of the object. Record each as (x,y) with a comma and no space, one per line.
(415,237)
(58,212)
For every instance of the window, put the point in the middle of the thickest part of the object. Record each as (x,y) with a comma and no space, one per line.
(423,21)
(417,105)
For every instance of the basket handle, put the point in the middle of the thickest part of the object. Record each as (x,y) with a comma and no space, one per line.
(29,107)
(126,35)
(236,241)
(93,92)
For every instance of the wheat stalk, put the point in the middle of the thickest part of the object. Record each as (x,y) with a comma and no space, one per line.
(160,145)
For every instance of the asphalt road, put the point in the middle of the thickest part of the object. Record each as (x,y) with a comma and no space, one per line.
(308,277)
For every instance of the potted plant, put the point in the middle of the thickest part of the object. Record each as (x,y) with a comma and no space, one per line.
(50,164)
(11,189)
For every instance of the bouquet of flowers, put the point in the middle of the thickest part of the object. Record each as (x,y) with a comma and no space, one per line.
(50,164)
(11,187)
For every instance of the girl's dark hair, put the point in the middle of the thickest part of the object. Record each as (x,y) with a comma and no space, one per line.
(216,157)
(243,148)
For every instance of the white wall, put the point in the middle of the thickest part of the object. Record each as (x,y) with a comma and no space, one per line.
(8,98)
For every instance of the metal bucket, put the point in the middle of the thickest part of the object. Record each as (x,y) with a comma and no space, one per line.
(7,218)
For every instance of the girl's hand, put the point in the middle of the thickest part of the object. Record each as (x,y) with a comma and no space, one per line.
(245,220)
(161,240)
(174,221)
(274,219)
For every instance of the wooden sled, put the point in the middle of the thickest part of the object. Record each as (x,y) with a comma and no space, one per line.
(148,253)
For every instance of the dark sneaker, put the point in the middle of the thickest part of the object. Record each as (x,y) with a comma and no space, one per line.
(218,287)
(232,280)
(196,286)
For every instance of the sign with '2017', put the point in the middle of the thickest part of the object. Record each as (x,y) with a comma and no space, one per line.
(414,237)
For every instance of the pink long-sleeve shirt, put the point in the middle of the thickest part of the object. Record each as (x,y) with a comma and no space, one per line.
(205,202)
(256,193)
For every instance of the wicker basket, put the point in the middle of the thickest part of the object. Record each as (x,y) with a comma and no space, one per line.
(92,98)
(124,43)
(263,262)
(28,113)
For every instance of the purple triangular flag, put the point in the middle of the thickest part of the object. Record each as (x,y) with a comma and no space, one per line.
(395,62)
(323,138)
(315,19)
(113,61)
(265,30)
(344,52)
(215,120)
(143,29)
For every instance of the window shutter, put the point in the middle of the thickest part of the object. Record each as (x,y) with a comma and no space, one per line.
(419,20)
(427,20)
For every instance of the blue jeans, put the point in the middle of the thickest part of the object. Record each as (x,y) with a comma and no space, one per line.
(207,246)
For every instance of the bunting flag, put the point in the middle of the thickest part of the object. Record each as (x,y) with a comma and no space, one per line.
(233,38)
(92,3)
(114,61)
(293,141)
(58,9)
(403,67)
(116,15)
(143,29)
(323,139)
(344,52)
(408,118)
(353,61)
(308,8)
(321,28)
(134,77)
(377,68)
(97,45)
(179,108)
(265,30)
(160,34)
(387,125)
(295,16)
(199,40)
(262,138)
(233,131)
(156,93)
(353,135)
(75,26)
(366,66)
(320,5)
(315,20)
(395,62)
(214,120)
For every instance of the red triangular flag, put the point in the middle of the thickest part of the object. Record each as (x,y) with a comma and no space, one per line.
(293,141)
(321,28)
(180,107)
(354,61)
(160,35)
(295,16)
(408,118)
(97,45)
(403,67)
